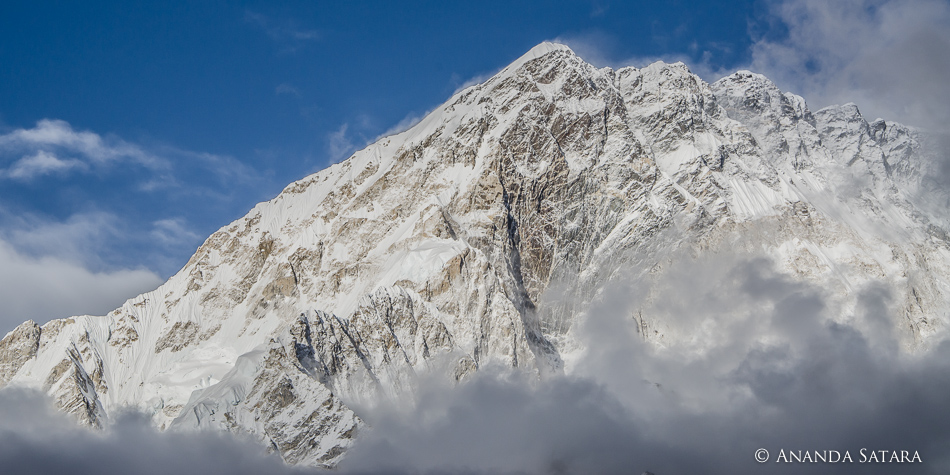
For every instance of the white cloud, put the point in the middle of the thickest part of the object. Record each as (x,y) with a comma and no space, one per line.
(340,146)
(403,125)
(591,47)
(43,288)
(287,33)
(77,239)
(54,147)
(42,142)
(41,163)
(285,88)
(760,363)
(173,231)
(890,57)
(92,260)
(101,241)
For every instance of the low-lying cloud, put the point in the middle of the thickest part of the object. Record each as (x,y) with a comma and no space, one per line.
(689,372)
(35,439)
(761,360)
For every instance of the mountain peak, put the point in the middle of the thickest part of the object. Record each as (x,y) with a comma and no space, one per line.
(442,246)
(546,47)
(542,49)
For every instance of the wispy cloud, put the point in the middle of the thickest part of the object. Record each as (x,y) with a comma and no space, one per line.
(53,147)
(404,124)
(226,168)
(593,48)
(115,215)
(287,89)
(285,32)
(599,8)
(41,163)
(196,172)
(173,231)
(339,144)
(49,137)
(891,57)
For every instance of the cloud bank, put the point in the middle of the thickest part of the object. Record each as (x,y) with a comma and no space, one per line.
(888,56)
(772,366)
(761,361)
(43,288)
(36,439)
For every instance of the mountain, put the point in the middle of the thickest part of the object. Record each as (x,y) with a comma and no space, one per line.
(478,238)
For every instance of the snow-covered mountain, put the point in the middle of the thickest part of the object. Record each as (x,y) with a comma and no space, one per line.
(439,249)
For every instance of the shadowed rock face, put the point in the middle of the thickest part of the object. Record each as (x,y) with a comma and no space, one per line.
(479,236)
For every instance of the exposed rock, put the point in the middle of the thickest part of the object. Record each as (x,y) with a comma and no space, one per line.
(18,347)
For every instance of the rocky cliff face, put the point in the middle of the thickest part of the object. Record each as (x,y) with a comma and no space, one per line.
(450,247)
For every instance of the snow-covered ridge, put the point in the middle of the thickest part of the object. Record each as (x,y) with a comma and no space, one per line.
(434,248)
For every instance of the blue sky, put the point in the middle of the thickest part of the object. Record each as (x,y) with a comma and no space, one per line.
(130,131)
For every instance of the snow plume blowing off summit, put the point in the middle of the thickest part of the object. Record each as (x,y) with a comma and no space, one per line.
(563,269)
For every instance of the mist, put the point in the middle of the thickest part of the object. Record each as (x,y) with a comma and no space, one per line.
(689,370)
(760,360)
